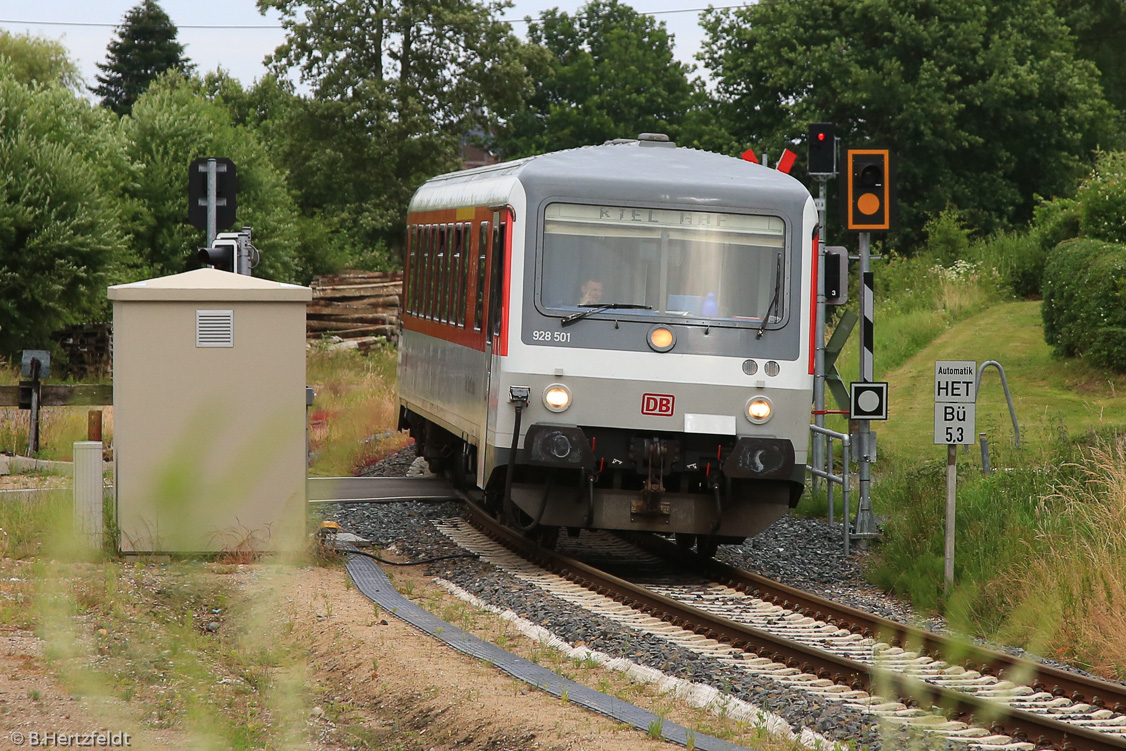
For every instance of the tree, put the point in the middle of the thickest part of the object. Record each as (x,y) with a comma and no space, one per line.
(145,48)
(60,236)
(34,59)
(173,124)
(1100,32)
(607,72)
(986,104)
(396,85)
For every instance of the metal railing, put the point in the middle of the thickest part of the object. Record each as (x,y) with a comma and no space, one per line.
(841,479)
(1008,396)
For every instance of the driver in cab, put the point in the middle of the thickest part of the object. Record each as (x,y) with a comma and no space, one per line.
(592,292)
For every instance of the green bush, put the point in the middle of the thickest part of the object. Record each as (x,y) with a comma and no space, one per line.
(1056,221)
(60,236)
(948,238)
(1102,200)
(1018,258)
(1084,306)
(1098,212)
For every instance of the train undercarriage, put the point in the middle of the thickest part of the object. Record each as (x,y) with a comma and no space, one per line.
(704,490)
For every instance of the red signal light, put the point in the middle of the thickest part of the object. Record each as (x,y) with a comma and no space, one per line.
(822,149)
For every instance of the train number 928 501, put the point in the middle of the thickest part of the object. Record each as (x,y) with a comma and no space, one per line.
(562,337)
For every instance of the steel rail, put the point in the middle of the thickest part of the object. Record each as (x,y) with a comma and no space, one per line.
(1058,682)
(997,717)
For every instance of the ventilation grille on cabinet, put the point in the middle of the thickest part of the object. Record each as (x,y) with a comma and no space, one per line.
(214,328)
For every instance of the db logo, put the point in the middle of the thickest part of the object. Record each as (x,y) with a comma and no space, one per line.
(657,404)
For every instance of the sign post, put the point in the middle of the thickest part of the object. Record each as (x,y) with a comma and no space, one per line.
(955,391)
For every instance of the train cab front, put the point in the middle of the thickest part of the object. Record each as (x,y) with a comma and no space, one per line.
(663,332)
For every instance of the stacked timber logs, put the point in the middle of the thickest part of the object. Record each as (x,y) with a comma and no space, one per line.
(358,307)
(88,348)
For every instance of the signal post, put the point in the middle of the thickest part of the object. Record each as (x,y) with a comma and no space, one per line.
(868,204)
(822,167)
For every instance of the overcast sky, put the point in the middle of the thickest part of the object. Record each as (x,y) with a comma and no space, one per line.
(86,28)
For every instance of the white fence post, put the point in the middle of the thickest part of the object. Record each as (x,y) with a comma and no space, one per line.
(88,493)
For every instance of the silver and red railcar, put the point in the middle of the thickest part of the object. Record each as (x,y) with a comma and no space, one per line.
(676,401)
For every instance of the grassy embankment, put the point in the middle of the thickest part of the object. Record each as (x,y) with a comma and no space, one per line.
(1041,543)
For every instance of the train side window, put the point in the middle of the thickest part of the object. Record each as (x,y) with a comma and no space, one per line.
(416,283)
(497,281)
(455,278)
(463,278)
(455,274)
(444,283)
(437,283)
(428,277)
(412,268)
(423,254)
(416,267)
(444,288)
(482,254)
(423,273)
(405,297)
(432,275)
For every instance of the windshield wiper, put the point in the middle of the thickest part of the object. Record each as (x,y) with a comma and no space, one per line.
(774,298)
(599,307)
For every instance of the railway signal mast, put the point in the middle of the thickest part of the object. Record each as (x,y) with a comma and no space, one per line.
(868,205)
(212,205)
(212,190)
(822,166)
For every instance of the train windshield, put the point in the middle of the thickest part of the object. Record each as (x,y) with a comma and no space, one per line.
(684,264)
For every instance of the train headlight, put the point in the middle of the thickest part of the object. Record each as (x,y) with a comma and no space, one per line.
(759,410)
(557,397)
(661,339)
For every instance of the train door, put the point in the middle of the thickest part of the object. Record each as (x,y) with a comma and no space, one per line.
(494,293)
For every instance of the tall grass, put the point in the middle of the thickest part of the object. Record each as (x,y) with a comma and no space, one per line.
(996,516)
(1040,547)
(354,418)
(1069,593)
(59,428)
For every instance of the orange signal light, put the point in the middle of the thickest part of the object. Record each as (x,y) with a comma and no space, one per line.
(869,198)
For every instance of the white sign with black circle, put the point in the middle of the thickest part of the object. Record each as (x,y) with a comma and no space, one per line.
(868,401)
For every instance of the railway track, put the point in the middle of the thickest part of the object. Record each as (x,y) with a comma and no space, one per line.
(840,652)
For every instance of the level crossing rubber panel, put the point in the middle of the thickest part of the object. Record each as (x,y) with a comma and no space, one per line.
(374,584)
(377,489)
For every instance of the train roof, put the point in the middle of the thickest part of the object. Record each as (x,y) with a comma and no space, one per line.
(642,171)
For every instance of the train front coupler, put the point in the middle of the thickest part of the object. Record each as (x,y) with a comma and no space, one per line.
(657,456)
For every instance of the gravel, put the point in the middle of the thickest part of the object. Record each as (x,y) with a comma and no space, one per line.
(804,553)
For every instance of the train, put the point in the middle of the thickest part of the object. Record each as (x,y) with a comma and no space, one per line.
(615,337)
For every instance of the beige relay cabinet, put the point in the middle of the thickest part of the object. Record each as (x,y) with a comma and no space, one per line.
(209,413)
